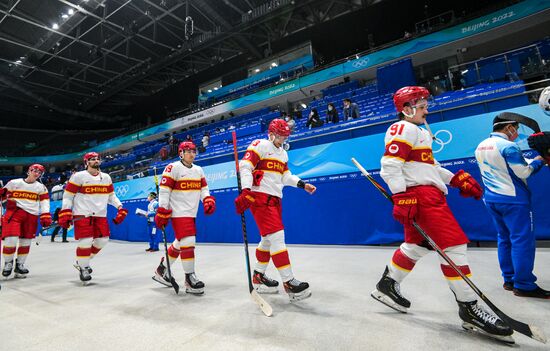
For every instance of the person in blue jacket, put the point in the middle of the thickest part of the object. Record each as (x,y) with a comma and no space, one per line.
(508,200)
(154,237)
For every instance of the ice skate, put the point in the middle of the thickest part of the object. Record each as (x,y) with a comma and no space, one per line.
(85,276)
(297,290)
(20,270)
(193,285)
(388,292)
(161,274)
(263,284)
(8,267)
(477,318)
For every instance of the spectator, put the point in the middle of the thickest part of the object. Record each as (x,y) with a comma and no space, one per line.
(173,143)
(332,114)
(206,139)
(351,110)
(291,123)
(163,153)
(189,138)
(314,120)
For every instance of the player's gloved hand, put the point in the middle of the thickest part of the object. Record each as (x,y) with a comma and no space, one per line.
(404,207)
(3,192)
(162,217)
(244,201)
(468,186)
(45,219)
(65,218)
(120,215)
(209,204)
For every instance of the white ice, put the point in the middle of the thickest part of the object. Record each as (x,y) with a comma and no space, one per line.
(124,309)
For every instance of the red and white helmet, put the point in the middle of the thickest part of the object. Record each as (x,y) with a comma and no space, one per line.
(409,95)
(38,167)
(187,145)
(90,155)
(280,127)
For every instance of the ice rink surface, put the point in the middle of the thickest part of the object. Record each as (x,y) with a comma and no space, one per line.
(124,309)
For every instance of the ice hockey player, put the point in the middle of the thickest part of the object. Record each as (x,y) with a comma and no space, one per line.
(419,186)
(508,201)
(182,188)
(85,201)
(154,237)
(264,173)
(27,203)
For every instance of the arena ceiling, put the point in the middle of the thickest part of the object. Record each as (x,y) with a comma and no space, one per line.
(81,63)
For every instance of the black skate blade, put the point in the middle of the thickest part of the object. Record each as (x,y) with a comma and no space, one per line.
(173,283)
(508,339)
(378,296)
(19,276)
(161,281)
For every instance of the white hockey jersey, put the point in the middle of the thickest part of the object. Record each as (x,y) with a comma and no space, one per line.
(89,195)
(31,197)
(182,188)
(263,156)
(408,159)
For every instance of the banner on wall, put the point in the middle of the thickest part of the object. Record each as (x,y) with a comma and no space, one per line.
(456,139)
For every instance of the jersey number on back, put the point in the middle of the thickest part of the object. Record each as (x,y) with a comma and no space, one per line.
(396,129)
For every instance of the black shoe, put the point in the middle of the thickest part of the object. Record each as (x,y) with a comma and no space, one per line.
(148,250)
(388,292)
(537,293)
(264,284)
(508,286)
(478,318)
(65,241)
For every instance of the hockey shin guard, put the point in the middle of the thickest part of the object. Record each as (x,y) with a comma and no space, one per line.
(462,291)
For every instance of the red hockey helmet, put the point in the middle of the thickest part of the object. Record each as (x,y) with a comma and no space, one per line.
(279,126)
(187,145)
(38,167)
(409,95)
(90,155)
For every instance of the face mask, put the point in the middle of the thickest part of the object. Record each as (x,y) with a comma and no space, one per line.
(287,119)
(330,108)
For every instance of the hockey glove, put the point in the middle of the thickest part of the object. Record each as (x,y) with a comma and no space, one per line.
(120,215)
(468,186)
(209,204)
(45,219)
(65,218)
(404,207)
(3,192)
(162,217)
(541,143)
(244,201)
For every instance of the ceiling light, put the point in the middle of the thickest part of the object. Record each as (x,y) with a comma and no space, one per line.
(70,12)
(64,16)
(18,62)
(257,70)
(55,26)
(274,64)
(215,88)
(303,105)
(209,90)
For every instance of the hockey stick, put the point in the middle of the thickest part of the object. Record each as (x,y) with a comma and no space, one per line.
(264,306)
(525,329)
(170,276)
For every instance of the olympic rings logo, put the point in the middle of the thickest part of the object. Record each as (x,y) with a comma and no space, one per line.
(362,62)
(445,138)
(121,190)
